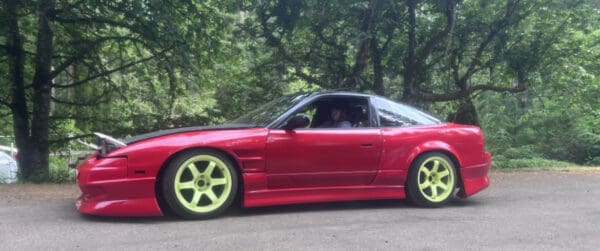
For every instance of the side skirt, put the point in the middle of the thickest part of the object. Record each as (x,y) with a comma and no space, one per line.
(269,197)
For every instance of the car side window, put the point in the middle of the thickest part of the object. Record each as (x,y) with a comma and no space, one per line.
(337,113)
(392,114)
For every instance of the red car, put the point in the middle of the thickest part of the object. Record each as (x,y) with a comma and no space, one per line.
(300,148)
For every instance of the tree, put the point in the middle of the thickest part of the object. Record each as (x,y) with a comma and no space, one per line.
(79,43)
(332,44)
(445,50)
(496,46)
(558,116)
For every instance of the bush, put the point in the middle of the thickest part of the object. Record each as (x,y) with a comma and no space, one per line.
(594,161)
(539,129)
(522,152)
(502,162)
(59,171)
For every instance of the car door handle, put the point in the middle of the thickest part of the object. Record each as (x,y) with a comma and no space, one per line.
(366,145)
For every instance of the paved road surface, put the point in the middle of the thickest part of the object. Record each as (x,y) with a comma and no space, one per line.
(547,210)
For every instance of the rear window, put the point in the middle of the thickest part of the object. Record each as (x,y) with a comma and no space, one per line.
(392,114)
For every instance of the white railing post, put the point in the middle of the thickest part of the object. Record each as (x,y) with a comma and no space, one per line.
(12,150)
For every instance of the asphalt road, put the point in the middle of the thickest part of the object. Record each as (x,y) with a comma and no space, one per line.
(543,210)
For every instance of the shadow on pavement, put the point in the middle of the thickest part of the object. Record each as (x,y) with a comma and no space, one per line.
(237,211)
(312,207)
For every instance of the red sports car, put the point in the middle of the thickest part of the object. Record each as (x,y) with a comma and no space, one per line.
(300,148)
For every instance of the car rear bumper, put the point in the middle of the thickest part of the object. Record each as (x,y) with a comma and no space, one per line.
(107,191)
(475,178)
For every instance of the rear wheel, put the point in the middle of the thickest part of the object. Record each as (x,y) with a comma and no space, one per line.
(199,184)
(431,180)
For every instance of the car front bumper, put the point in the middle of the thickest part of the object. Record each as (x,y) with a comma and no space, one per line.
(107,191)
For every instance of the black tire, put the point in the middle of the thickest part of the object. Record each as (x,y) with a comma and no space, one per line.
(431,180)
(199,184)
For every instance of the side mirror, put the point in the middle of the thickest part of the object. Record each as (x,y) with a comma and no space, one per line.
(298,121)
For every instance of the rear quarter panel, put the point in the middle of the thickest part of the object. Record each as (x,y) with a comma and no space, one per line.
(402,145)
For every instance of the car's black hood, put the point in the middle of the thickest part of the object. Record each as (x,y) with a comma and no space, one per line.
(150,135)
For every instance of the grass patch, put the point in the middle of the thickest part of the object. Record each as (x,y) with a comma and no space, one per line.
(502,162)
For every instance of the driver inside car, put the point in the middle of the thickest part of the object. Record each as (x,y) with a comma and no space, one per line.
(337,119)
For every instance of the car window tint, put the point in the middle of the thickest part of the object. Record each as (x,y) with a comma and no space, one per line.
(354,112)
(392,114)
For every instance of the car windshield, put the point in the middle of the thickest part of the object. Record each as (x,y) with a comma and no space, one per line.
(268,112)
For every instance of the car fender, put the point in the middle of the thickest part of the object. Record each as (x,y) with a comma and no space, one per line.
(244,146)
(433,146)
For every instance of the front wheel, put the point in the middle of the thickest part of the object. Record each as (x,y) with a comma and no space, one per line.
(199,184)
(431,180)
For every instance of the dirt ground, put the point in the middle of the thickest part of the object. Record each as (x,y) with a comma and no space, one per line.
(13,193)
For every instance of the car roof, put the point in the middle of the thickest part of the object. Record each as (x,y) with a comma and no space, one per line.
(337,93)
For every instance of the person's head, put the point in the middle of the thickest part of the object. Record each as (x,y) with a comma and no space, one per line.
(337,114)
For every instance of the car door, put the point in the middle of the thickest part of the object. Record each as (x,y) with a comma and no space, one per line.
(322,157)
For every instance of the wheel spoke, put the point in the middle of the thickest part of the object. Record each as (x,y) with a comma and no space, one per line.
(425,171)
(192,167)
(196,198)
(434,192)
(424,185)
(217,182)
(210,168)
(211,195)
(443,186)
(444,173)
(185,185)
(436,165)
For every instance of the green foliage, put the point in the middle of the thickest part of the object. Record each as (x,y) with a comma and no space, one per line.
(501,162)
(533,132)
(523,152)
(60,171)
(526,156)
(595,161)
(558,116)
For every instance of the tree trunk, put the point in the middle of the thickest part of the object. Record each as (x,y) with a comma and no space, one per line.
(415,65)
(42,86)
(362,56)
(410,63)
(377,69)
(466,113)
(32,142)
(18,105)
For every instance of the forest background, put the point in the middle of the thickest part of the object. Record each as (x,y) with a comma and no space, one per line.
(526,71)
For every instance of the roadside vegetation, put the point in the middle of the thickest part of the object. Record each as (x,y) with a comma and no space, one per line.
(526,71)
